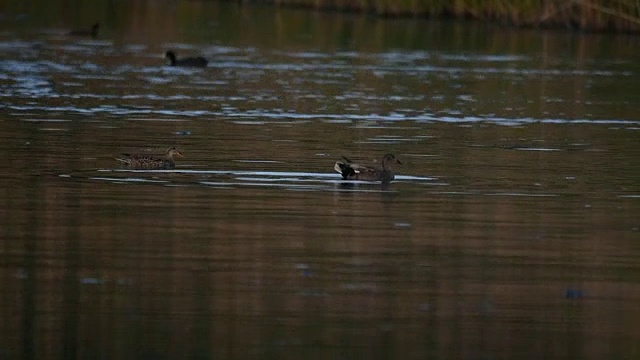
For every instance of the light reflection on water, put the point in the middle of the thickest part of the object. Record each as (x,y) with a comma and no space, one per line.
(232,179)
(239,65)
(510,230)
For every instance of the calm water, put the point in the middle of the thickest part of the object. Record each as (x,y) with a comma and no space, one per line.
(512,229)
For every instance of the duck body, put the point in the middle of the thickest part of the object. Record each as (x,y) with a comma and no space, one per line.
(352,171)
(93,32)
(186,62)
(143,161)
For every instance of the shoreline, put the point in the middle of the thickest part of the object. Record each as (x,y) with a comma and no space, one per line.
(601,16)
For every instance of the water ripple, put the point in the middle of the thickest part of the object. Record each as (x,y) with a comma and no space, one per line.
(253,114)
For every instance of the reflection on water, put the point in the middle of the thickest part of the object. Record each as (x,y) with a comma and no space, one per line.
(288,180)
(510,230)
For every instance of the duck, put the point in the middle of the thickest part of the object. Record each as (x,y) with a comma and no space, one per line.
(143,161)
(352,171)
(186,62)
(93,32)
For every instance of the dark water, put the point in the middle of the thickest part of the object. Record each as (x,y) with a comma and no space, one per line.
(512,229)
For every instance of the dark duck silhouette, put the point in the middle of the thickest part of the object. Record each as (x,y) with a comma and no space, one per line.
(185,62)
(93,32)
(143,161)
(352,171)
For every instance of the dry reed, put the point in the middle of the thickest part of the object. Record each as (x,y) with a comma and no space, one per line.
(586,15)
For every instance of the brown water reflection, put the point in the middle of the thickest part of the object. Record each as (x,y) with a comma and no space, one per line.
(539,264)
(511,230)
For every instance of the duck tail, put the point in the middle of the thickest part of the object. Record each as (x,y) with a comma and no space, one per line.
(124,158)
(344,169)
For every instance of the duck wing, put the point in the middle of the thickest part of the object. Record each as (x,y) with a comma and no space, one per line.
(352,171)
(142,161)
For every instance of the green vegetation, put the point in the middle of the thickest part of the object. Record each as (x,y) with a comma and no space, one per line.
(588,15)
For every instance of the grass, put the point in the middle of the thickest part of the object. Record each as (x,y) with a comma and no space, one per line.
(585,15)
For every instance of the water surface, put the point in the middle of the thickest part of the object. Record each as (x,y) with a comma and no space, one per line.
(511,230)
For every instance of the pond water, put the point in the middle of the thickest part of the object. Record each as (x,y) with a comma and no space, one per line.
(512,229)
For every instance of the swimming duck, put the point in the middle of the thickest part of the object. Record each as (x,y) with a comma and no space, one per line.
(142,161)
(93,32)
(353,171)
(186,62)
